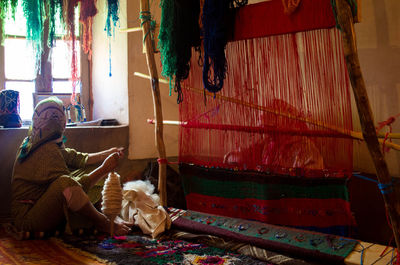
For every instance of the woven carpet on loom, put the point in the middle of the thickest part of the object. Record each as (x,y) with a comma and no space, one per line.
(316,204)
(308,245)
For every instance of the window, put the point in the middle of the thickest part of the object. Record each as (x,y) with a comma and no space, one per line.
(18,59)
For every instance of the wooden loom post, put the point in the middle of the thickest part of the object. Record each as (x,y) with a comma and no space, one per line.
(151,64)
(345,20)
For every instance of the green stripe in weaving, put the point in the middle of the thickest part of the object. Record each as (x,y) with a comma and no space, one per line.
(248,189)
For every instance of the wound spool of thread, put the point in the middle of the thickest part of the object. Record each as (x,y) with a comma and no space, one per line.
(112,198)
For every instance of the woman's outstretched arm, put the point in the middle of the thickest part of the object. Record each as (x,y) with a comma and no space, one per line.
(108,165)
(95,158)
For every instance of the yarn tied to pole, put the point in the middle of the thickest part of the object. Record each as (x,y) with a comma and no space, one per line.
(385,188)
(146,17)
(388,123)
(353,7)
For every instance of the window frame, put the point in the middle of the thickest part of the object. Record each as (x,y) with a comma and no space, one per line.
(85,73)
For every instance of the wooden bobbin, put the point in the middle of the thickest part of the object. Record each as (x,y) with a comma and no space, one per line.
(112,225)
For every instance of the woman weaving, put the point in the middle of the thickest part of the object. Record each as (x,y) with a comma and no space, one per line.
(46,192)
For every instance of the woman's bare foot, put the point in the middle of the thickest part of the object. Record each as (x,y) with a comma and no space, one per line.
(120,227)
(101,221)
(122,221)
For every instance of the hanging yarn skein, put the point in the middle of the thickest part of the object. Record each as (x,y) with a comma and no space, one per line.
(33,11)
(112,198)
(54,9)
(69,18)
(112,16)
(87,13)
(187,36)
(111,23)
(215,21)
(215,39)
(166,40)
(179,32)
(5,7)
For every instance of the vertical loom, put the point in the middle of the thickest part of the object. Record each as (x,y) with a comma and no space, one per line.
(327,125)
(146,19)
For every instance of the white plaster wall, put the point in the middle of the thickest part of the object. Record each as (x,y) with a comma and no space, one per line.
(378,41)
(110,93)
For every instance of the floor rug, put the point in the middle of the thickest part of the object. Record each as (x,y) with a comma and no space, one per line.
(139,249)
(49,251)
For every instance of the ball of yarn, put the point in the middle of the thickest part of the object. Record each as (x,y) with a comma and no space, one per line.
(112,195)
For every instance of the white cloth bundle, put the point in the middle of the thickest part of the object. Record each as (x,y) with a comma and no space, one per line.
(142,207)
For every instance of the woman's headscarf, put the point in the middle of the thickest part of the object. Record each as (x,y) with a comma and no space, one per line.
(48,123)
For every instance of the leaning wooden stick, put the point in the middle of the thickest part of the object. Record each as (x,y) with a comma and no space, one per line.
(151,64)
(345,20)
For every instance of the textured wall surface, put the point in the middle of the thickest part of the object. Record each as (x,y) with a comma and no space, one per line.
(378,41)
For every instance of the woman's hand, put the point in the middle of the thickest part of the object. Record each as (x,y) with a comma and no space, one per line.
(119,150)
(108,165)
(111,162)
(100,157)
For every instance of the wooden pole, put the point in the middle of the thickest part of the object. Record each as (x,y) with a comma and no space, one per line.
(151,64)
(345,20)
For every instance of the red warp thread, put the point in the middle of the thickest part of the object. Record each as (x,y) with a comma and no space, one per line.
(384,148)
(275,84)
(383,252)
(390,226)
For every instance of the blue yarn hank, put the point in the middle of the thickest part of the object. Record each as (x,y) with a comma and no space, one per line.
(215,40)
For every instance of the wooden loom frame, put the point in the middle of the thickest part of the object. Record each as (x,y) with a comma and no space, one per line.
(345,20)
